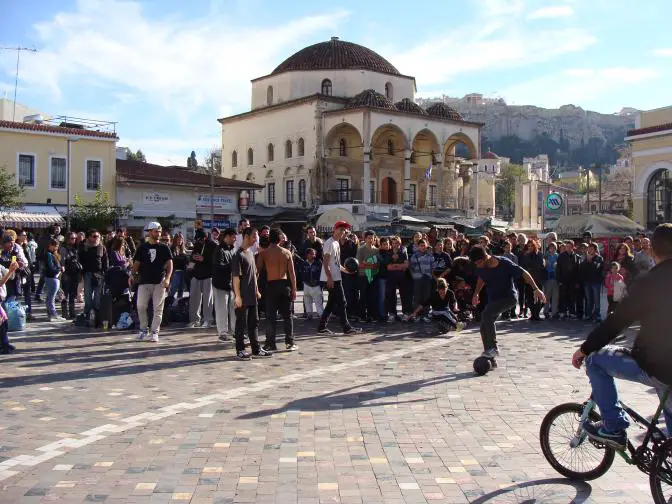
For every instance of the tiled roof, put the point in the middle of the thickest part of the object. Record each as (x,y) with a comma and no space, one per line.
(650,129)
(46,128)
(444,111)
(336,54)
(408,105)
(490,155)
(372,99)
(135,171)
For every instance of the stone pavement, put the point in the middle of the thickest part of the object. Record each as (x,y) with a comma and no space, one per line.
(394,415)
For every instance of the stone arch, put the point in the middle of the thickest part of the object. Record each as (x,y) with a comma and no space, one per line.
(642,181)
(658,198)
(353,141)
(380,138)
(452,143)
(424,144)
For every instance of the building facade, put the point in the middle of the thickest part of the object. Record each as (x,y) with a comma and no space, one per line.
(651,142)
(336,124)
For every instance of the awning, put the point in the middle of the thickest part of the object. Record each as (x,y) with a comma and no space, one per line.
(36,216)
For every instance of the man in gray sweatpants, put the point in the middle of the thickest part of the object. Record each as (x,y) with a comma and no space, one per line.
(500,275)
(200,291)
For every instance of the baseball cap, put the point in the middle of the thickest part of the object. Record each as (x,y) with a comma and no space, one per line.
(152,225)
(342,223)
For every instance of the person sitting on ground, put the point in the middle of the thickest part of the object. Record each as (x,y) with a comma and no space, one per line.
(649,360)
(443,304)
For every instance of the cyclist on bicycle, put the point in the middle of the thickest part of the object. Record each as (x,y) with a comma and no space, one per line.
(649,362)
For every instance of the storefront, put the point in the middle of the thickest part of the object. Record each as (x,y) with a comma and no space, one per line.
(30,217)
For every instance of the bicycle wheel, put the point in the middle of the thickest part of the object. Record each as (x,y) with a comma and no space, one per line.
(660,477)
(588,460)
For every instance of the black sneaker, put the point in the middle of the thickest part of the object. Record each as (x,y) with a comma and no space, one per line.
(270,349)
(323,330)
(243,356)
(6,350)
(352,330)
(262,354)
(597,432)
(224,337)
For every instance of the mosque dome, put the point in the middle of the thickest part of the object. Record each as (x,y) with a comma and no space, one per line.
(409,106)
(443,111)
(372,99)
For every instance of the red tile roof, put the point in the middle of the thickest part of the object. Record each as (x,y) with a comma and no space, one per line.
(47,128)
(135,171)
(650,129)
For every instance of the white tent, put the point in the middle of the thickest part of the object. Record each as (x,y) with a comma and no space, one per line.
(600,225)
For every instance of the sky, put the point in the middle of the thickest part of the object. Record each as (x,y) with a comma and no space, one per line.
(166,70)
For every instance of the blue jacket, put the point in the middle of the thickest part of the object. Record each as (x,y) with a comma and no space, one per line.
(310,273)
(551,259)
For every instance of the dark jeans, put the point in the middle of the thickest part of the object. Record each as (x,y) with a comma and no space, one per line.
(40,283)
(27,298)
(367,298)
(69,286)
(565,298)
(349,287)
(4,334)
(395,282)
(337,305)
(535,308)
(490,314)
(445,316)
(592,292)
(247,319)
(278,298)
(522,300)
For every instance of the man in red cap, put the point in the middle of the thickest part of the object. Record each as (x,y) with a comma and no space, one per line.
(331,275)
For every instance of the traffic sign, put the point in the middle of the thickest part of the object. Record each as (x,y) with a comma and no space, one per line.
(554,202)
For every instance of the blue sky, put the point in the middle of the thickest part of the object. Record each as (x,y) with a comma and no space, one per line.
(165,70)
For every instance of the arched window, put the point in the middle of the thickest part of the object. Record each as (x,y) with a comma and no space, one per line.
(270,152)
(659,197)
(390,147)
(389,91)
(269,95)
(302,191)
(250,156)
(300,147)
(326,87)
(288,149)
(342,148)
(234,159)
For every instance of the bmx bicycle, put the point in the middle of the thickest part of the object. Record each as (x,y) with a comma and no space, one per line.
(570,451)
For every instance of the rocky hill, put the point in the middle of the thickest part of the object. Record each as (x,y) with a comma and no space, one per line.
(570,135)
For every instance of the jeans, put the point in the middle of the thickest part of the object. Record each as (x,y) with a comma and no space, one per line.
(446,316)
(225,311)
(278,299)
(247,319)
(349,287)
(157,293)
(176,285)
(4,334)
(615,362)
(92,291)
(552,293)
(422,289)
(395,281)
(200,290)
(381,293)
(51,286)
(69,285)
(593,291)
(313,296)
(367,298)
(335,304)
(488,317)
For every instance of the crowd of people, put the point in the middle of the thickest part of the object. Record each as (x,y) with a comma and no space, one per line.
(235,277)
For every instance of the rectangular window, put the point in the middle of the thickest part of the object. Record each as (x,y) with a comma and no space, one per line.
(58,173)
(432,195)
(289,191)
(26,170)
(271,193)
(302,190)
(93,175)
(343,189)
(253,196)
(412,192)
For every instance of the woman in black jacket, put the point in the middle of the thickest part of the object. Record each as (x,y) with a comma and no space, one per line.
(533,262)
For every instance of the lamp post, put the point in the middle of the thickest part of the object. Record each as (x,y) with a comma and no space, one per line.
(212,190)
(70,140)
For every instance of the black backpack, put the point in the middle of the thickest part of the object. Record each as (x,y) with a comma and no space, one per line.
(73,266)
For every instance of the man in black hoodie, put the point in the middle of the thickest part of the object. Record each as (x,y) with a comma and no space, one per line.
(94,260)
(200,292)
(225,308)
(648,363)
(567,275)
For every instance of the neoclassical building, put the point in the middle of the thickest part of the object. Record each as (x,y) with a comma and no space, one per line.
(337,123)
(651,142)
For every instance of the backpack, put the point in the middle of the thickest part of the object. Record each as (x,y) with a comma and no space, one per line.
(73,266)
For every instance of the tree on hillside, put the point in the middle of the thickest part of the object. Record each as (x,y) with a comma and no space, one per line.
(214,158)
(11,194)
(505,189)
(99,214)
(192,162)
(135,156)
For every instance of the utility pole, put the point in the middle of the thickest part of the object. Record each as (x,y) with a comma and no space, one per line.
(599,187)
(212,190)
(16,76)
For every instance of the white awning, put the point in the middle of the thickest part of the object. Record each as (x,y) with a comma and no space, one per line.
(37,216)
(179,214)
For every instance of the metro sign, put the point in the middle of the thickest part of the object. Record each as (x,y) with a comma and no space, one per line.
(554,201)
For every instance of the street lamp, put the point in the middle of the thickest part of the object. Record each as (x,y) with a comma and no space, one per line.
(70,140)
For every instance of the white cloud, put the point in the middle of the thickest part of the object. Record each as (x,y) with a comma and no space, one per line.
(552,12)
(578,86)
(181,64)
(664,52)
(171,150)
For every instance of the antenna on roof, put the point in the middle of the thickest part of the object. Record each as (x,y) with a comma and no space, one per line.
(16,77)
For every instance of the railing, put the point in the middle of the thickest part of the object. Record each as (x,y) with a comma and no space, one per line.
(82,123)
(342,196)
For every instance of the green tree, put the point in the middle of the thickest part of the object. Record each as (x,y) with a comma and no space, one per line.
(98,214)
(214,159)
(170,222)
(11,194)
(505,189)
(137,156)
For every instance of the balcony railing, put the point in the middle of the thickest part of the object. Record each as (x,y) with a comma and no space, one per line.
(342,196)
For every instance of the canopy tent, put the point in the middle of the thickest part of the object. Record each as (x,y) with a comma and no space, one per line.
(600,225)
(33,216)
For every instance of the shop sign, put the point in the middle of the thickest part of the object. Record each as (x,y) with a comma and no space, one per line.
(156,198)
(220,201)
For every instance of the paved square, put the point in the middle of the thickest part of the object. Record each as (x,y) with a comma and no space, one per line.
(394,415)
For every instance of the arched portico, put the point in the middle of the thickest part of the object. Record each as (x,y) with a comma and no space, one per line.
(388,147)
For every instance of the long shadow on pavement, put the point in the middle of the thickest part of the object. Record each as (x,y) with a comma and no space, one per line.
(554,490)
(347,399)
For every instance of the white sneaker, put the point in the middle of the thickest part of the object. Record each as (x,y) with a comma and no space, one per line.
(195,325)
(405,318)
(56,318)
(491,353)
(142,334)
(207,325)
(155,337)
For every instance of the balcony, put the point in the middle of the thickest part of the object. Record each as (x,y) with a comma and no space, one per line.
(342,196)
